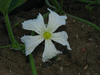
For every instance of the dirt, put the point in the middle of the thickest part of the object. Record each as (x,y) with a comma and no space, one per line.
(83,59)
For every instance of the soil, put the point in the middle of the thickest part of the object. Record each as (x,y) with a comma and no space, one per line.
(83,59)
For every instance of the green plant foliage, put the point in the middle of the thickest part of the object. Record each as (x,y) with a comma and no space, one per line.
(8,5)
(89,7)
(15,3)
(4,5)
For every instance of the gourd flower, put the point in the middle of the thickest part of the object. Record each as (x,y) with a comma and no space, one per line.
(47,33)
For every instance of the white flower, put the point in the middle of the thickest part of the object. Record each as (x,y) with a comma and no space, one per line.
(45,33)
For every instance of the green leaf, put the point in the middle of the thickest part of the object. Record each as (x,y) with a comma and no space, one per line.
(4,5)
(15,3)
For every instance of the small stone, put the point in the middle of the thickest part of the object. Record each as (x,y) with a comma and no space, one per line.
(96,46)
(96,73)
(10,70)
(18,37)
(79,74)
(85,67)
(90,39)
(37,67)
(74,20)
(83,25)
(77,36)
(61,68)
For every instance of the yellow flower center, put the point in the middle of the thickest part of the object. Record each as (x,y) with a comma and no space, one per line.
(47,35)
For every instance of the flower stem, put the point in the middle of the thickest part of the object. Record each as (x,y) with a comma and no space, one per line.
(45,15)
(32,64)
(97,2)
(47,2)
(87,22)
(56,4)
(9,28)
(62,4)
(12,39)
(86,1)
(6,46)
(32,60)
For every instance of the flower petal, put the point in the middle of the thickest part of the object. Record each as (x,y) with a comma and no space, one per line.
(61,37)
(55,21)
(28,25)
(36,24)
(31,42)
(50,51)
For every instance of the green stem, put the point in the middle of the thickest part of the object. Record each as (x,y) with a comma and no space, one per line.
(6,46)
(87,22)
(15,44)
(97,2)
(18,23)
(45,15)
(47,2)
(32,60)
(86,1)
(62,4)
(9,28)
(56,4)
(89,5)
(32,64)
(33,33)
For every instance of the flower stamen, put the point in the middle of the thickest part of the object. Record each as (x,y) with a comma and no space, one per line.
(47,35)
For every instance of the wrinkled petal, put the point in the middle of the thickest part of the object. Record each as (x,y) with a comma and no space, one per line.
(61,37)
(36,24)
(31,42)
(28,25)
(55,21)
(50,51)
